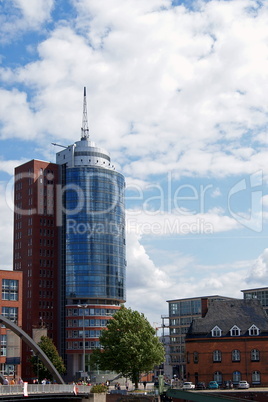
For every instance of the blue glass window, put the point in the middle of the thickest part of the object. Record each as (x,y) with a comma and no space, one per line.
(95,233)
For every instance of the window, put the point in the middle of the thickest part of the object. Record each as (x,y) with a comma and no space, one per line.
(188,357)
(217,356)
(235,355)
(10,288)
(253,330)
(236,377)
(7,369)
(256,377)
(3,339)
(255,355)
(235,331)
(216,331)
(218,377)
(195,357)
(11,313)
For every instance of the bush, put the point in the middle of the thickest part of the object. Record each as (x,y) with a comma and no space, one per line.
(99,388)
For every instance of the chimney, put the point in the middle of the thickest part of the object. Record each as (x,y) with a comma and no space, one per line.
(204,306)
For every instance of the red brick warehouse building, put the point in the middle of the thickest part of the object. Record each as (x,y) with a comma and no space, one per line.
(229,343)
(11,308)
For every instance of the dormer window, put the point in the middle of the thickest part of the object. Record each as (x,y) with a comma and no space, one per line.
(235,331)
(253,330)
(216,331)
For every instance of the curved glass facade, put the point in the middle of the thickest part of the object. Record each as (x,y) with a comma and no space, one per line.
(95,234)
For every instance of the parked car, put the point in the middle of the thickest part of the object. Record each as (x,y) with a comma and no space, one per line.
(213,385)
(227,384)
(188,385)
(243,384)
(166,384)
(200,385)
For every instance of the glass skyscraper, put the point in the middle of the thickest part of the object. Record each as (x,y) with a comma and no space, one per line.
(95,234)
(92,243)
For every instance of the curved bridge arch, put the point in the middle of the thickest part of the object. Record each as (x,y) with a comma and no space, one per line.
(33,345)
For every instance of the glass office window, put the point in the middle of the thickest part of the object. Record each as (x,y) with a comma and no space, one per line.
(10,289)
(95,234)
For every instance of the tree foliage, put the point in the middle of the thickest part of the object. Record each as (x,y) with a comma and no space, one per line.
(98,389)
(48,347)
(129,345)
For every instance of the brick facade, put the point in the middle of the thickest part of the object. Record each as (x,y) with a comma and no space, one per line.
(36,249)
(11,307)
(230,343)
(201,364)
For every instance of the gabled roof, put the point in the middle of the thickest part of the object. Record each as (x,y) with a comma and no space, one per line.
(227,313)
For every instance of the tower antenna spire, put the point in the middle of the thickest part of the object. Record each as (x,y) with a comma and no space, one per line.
(84,128)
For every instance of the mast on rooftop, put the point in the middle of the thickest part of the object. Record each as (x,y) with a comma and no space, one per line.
(84,128)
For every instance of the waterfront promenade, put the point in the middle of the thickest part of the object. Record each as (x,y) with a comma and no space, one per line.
(64,391)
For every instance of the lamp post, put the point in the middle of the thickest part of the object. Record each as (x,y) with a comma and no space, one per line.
(84,306)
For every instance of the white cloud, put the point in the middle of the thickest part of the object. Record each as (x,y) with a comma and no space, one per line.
(17,16)
(169,90)
(150,285)
(35,12)
(259,272)
(16,116)
(143,267)
(178,223)
(6,231)
(216,193)
(8,166)
(167,86)
(265,201)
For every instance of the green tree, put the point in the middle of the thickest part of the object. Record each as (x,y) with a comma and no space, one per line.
(98,389)
(47,345)
(129,345)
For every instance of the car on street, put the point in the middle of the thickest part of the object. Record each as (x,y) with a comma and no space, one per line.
(243,385)
(227,384)
(213,385)
(200,385)
(188,385)
(166,384)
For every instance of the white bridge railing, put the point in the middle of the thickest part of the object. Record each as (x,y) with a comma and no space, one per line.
(21,389)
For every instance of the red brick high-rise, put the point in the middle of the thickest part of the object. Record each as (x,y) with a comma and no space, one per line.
(36,249)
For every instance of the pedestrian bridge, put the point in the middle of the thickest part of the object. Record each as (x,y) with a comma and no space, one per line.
(44,392)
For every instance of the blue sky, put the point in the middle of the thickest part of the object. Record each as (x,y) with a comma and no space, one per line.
(177,95)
